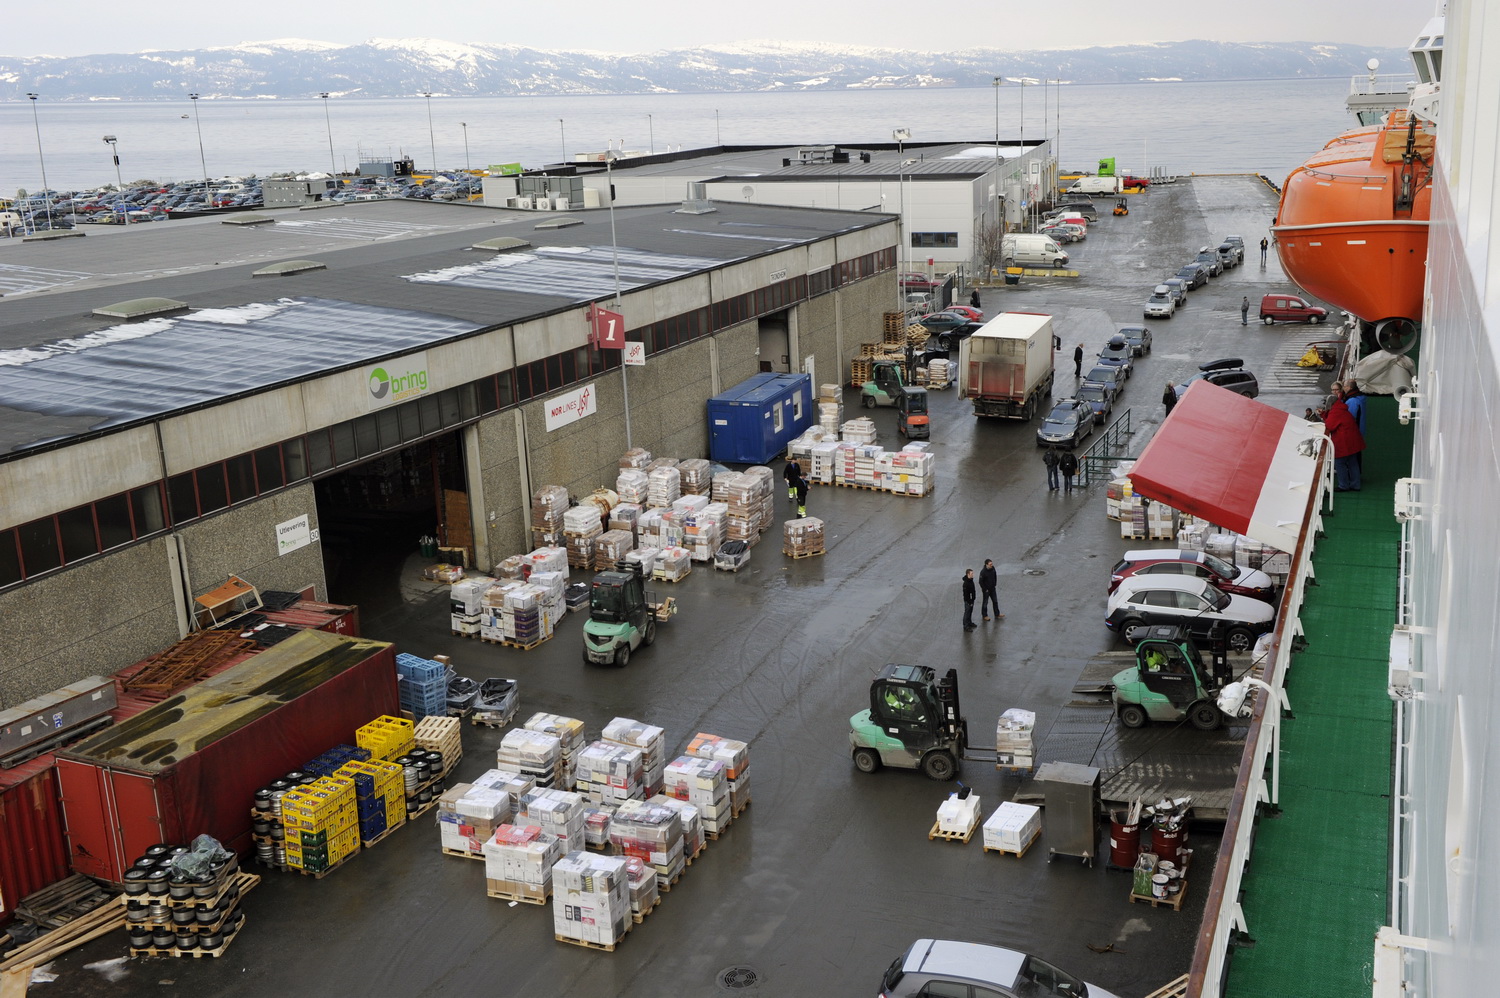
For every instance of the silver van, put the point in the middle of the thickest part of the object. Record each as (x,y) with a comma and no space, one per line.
(1031,249)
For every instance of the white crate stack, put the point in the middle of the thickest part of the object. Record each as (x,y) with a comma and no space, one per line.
(908,471)
(547,507)
(652,743)
(1013,739)
(857,465)
(704,784)
(642,886)
(663,487)
(466,603)
(533,754)
(653,834)
(557,812)
(692,823)
(704,529)
(518,857)
(822,462)
(1012,827)
(570,742)
(590,899)
(735,755)
(582,525)
(696,478)
(674,564)
(860,430)
(609,773)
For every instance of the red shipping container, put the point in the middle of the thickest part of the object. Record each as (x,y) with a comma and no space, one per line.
(191,765)
(33,852)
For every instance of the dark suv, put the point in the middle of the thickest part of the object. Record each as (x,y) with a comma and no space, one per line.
(1195,274)
(945,967)
(1228,373)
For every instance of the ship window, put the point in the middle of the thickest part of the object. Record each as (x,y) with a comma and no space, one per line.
(1436,55)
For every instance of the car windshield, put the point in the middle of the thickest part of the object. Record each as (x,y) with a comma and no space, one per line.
(1060,414)
(607,603)
(1103,374)
(1220,567)
(1091,392)
(1187,272)
(1217,598)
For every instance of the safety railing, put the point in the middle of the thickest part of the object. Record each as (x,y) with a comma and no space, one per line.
(1107,450)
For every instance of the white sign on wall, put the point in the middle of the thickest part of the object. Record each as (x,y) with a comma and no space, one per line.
(570,407)
(635,354)
(293,534)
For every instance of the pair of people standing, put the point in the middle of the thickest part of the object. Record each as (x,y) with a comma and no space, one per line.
(988,586)
(1344,421)
(1064,463)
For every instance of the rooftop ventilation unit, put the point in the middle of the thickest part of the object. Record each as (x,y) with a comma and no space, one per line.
(558,222)
(502,244)
(141,308)
(249,220)
(289,267)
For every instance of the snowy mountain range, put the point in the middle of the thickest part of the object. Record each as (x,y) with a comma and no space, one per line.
(383,67)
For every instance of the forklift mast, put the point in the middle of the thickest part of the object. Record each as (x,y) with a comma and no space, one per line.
(947,691)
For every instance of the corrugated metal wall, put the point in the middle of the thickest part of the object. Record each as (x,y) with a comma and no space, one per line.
(33,852)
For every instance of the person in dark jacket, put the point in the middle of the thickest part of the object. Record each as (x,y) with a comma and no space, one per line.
(1068,465)
(1245,311)
(1078,361)
(1169,397)
(974,298)
(1347,443)
(988,581)
(1049,458)
(969,624)
(801,496)
(793,474)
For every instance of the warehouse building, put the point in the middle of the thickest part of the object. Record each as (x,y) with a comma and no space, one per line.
(949,194)
(295,397)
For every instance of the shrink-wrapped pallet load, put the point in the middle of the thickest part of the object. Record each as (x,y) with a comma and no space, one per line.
(653,834)
(704,784)
(635,457)
(1013,739)
(663,486)
(695,476)
(590,899)
(631,485)
(610,773)
(674,564)
(735,755)
(518,861)
(693,825)
(802,538)
(557,812)
(650,740)
(570,742)
(611,546)
(548,504)
(533,754)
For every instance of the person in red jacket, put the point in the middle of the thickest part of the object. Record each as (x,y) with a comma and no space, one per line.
(1343,430)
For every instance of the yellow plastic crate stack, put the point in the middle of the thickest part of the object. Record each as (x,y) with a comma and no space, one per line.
(379,795)
(322,824)
(387,737)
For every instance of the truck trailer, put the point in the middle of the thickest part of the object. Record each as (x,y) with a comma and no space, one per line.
(1005,368)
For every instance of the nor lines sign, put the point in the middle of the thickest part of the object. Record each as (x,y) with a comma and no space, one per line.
(570,407)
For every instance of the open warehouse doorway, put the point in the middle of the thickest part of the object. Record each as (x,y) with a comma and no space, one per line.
(372,519)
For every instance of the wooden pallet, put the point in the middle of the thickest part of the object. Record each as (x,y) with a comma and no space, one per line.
(371,843)
(463,854)
(938,833)
(639,917)
(50,945)
(858,485)
(663,578)
(465,634)
(1172,989)
(195,953)
(666,888)
(534,895)
(421,809)
(191,658)
(602,947)
(320,874)
(525,647)
(1173,901)
(804,554)
(688,860)
(1017,853)
(741,809)
(486,722)
(58,904)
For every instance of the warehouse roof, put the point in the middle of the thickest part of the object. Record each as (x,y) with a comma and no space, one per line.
(944,160)
(399,275)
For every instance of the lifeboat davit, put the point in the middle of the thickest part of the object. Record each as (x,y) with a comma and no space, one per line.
(1352,227)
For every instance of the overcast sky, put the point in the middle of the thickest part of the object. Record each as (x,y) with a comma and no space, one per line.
(87,27)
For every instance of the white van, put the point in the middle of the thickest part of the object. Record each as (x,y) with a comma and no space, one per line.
(1095,186)
(1031,249)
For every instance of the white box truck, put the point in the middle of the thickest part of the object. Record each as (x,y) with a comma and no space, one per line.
(1095,186)
(1005,368)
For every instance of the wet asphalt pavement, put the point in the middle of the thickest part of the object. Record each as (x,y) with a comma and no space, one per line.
(829,874)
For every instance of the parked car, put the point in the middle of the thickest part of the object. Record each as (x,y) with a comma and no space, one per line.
(1100,398)
(1084,208)
(1061,233)
(1229,256)
(916,282)
(1108,375)
(1118,353)
(973,314)
(1289,308)
(1194,274)
(1209,257)
(1179,289)
(1078,233)
(1238,242)
(1160,305)
(938,322)
(1196,604)
(1139,338)
(947,339)
(1228,373)
(1232,579)
(946,967)
(1066,425)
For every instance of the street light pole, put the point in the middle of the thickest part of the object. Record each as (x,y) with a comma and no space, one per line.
(333,166)
(718,139)
(465,126)
(431,142)
(115,152)
(46,191)
(563,134)
(651,132)
(614,250)
(202,160)
(902,136)
(999,222)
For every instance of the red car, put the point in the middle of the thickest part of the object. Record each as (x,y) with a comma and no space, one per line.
(1231,579)
(917,282)
(973,313)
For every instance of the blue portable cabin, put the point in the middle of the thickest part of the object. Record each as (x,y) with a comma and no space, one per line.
(755,420)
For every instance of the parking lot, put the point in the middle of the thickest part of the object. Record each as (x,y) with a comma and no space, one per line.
(829,874)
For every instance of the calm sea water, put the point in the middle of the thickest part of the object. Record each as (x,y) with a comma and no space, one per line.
(1248,126)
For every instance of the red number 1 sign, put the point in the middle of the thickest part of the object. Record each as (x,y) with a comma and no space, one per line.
(609,329)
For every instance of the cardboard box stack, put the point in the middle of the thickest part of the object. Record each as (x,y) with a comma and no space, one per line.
(631,484)
(830,409)
(625,517)
(957,815)
(556,812)
(510,567)
(386,737)
(468,819)
(1013,744)
(940,373)
(1160,522)
(465,603)
(511,782)
(735,755)
(802,538)
(518,862)
(763,496)
(533,754)
(645,556)
(651,833)
(859,430)
(523,619)
(590,899)
(321,822)
(570,742)
(582,525)
(609,773)
(379,796)
(596,819)
(1012,827)
(553,585)
(642,886)
(856,465)
(492,605)
(1119,498)
(612,546)
(822,463)
(674,564)
(704,784)
(422,685)
(652,743)
(635,457)
(692,824)
(664,486)
(737,491)
(547,507)
(704,529)
(909,471)
(695,476)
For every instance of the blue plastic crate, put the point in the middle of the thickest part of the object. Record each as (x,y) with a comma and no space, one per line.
(410,666)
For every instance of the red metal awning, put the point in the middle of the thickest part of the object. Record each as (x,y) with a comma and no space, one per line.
(1234,462)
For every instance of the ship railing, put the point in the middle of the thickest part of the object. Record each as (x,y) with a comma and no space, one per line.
(1382,84)
(1259,779)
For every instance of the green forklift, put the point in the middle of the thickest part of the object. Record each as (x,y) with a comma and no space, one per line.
(1170,682)
(914,722)
(887,382)
(911,414)
(622,616)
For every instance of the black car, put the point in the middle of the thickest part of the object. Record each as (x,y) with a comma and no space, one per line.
(1067,424)
(1195,274)
(1228,373)
(1118,353)
(1101,399)
(1209,257)
(1139,338)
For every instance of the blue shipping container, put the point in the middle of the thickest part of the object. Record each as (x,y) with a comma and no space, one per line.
(755,420)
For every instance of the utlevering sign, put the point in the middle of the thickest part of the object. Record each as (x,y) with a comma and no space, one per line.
(395,381)
(570,407)
(293,534)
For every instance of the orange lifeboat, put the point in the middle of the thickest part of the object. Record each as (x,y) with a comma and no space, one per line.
(1352,227)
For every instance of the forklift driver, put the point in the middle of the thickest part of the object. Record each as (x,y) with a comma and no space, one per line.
(903,703)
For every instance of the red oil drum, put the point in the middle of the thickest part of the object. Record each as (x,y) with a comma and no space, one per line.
(1124,841)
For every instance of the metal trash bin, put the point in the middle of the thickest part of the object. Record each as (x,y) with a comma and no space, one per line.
(1071,809)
